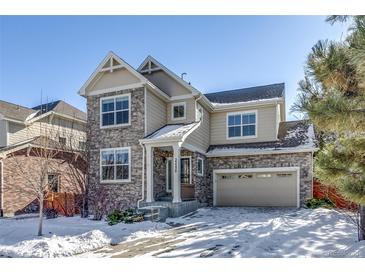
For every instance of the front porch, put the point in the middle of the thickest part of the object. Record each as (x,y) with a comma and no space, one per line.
(171,174)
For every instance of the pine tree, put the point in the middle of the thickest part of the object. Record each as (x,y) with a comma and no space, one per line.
(332,95)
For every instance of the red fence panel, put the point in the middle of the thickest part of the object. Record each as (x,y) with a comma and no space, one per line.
(321,191)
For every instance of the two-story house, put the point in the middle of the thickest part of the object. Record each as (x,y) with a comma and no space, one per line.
(25,133)
(156,139)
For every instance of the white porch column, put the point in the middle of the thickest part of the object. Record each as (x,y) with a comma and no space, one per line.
(176,188)
(149,174)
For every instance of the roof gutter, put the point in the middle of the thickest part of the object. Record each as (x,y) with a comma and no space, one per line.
(258,152)
(230,106)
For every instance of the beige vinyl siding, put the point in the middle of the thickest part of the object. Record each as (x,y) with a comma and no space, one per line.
(166,83)
(17,133)
(116,78)
(57,127)
(189,111)
(266,126)
(155,112)
(200,138)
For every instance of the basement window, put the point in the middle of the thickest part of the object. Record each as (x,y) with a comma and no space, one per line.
(284,174)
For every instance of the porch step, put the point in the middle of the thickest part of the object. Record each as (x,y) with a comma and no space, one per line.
(154,213)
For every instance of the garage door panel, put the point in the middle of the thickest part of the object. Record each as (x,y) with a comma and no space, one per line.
(238,190)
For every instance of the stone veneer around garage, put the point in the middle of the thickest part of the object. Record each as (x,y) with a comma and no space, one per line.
(117,195)
(302,160)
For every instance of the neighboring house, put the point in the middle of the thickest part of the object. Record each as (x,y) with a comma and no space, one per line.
(154,137)
(23,131)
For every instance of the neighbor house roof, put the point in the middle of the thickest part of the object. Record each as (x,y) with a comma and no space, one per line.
(293,136)
(173,132)
(25,114)
(62,107)
(247,94)
(14,111)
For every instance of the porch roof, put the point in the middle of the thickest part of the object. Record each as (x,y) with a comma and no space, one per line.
(172,132)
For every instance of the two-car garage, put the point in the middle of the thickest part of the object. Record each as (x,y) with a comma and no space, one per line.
(257,187)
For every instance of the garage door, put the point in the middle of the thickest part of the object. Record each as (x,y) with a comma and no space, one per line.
(256,189)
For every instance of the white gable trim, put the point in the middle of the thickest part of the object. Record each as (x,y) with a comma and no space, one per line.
(100,69)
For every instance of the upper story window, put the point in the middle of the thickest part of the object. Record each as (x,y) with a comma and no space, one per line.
(62,140)
(241,125)
(115,164)
(178,111)
(115,111)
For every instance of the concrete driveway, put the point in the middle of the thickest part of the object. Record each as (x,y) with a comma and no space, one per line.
(247,232)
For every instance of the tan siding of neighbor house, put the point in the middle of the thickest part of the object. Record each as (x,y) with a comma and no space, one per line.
(167,84)
(55,128)
(200,138)
(116,78)
(190,111)
(3,133)
(266,126)
(155,112)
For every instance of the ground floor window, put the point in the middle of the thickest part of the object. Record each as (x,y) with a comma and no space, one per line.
(115,164)
(53,182)
(200,166)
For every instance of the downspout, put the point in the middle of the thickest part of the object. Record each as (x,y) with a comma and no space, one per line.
(2,189)
(143,163)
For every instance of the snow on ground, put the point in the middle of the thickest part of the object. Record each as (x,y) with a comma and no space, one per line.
(267,232)
(209,232)
(66,236)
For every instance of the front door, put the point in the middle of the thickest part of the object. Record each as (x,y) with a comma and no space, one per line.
(185,172)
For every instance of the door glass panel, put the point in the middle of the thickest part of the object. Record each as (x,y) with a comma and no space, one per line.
(185,171)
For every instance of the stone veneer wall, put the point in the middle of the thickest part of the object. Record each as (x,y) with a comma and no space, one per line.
(116,195)
(302,160)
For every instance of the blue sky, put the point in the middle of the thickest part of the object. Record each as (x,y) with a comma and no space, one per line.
(57,54)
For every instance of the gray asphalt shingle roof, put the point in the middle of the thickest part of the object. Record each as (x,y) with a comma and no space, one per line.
(247,94)
(62,108)
(14,111)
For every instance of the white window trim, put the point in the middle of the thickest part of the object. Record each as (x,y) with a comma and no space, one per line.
(129,165)
(114,97)
(197,171)
(241,137)
(172,111)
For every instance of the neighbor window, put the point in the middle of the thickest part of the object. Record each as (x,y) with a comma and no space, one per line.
(115,164)
(178,111)
(200,167)
(53,182)
(241,125)
(115,111)
(62,140)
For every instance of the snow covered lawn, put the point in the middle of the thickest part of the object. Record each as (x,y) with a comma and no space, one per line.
(248,232)
(210,232)
(65,236)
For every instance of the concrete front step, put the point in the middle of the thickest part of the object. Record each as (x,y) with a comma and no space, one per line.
(154,213)
(175,209)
